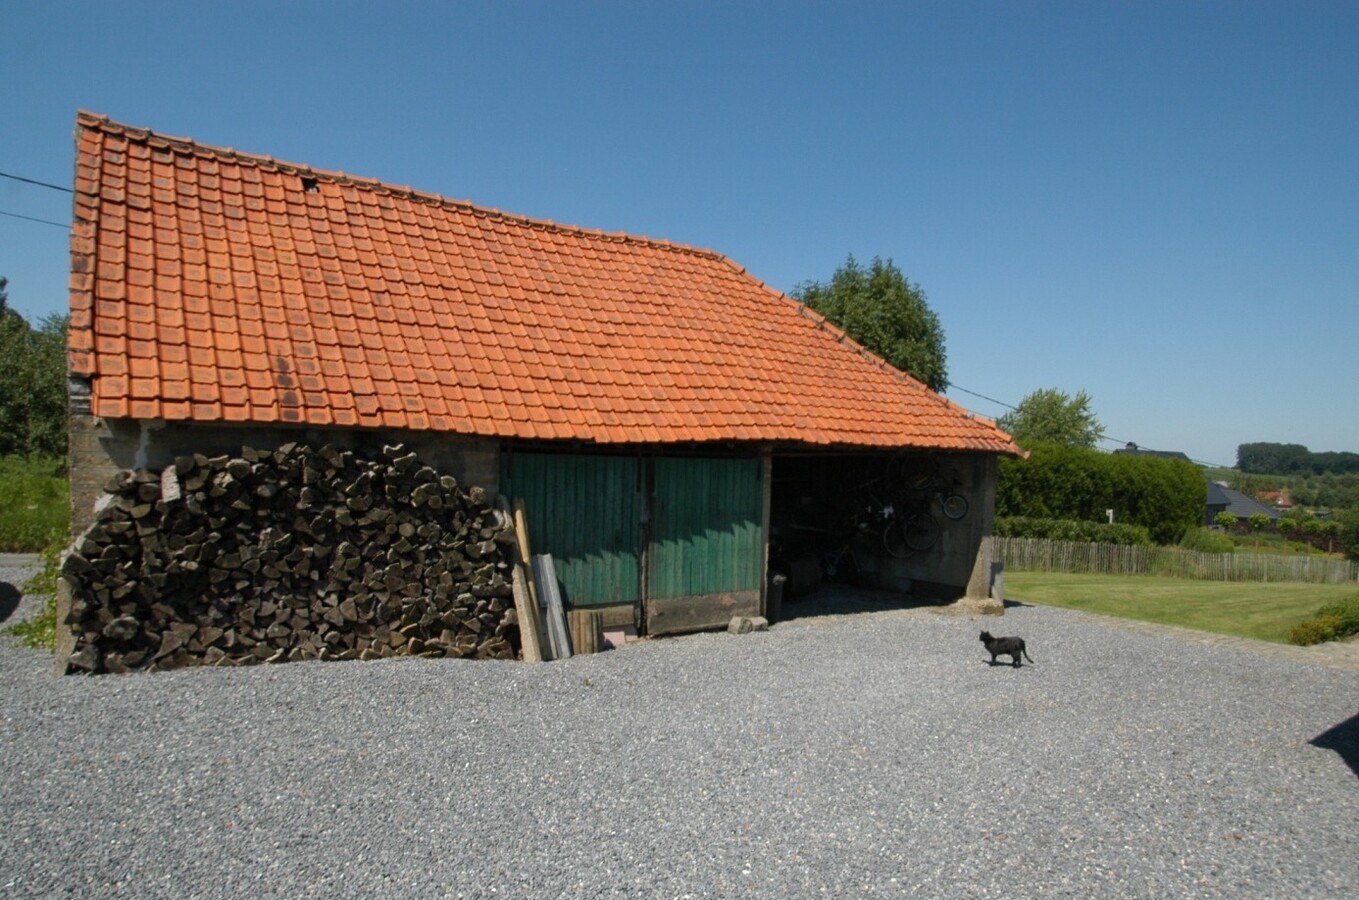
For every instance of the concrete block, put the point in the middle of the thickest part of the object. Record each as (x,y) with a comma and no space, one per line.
(747,624)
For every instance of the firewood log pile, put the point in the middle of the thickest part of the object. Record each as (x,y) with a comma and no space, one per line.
(291,554)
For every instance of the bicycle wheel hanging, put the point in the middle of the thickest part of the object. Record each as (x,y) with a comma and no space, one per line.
(921,531)
(893,540)
(955,505)
(915,532)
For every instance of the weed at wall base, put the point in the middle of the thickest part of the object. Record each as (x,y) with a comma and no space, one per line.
(41,630)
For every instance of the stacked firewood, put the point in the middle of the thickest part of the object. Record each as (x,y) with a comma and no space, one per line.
(291,554)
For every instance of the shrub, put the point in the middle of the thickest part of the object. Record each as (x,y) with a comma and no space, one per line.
(1071,530)
(1315,631)
(1347,530)
(1332,622)
(1206,540)
(1165,496)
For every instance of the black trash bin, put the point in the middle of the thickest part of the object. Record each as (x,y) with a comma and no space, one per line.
(773,607)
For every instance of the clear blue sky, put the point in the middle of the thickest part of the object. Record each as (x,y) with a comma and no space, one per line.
(1157,203)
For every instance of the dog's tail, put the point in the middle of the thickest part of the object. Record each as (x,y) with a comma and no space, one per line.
(1025,651)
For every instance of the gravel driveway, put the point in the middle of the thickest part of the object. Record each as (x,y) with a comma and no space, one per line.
(874,754)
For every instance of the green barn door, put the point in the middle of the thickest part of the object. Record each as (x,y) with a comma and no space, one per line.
(586,512)
(706,551)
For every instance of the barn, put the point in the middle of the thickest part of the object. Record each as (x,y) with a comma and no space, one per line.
(675,428)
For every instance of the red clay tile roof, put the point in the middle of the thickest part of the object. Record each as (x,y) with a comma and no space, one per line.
(211,285)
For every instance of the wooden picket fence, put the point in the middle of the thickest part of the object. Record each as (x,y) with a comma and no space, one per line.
(1039,555)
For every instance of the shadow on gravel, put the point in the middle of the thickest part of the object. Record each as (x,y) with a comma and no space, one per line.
(9,600)
(839,600)
(1343,739)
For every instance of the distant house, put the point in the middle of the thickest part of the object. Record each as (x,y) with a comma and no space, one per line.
(1243,506)
(1218,501)
(1133,450)
(1277,499)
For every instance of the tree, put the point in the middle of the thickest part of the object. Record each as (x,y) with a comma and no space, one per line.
(1225,520)
(1293,459)
(881,309)
(1272,459)
(1048,416)
(32,383)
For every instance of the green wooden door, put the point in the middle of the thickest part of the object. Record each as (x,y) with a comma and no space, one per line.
(702,546)
(706,553)
(586,512)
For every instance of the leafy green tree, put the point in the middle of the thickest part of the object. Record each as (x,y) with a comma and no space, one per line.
(32,383)
(1048,416)
(1293,459)
(1328,490)
(878,307)
(1272,459)
(1258,521)
(1336,463)
(1225,520)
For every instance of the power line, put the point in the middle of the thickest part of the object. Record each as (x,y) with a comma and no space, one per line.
(55,187)
(59,225)
(1106,439)
(954,387)
(32,219)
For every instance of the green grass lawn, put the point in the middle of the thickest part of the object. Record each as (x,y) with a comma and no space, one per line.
(1253,610)
(35,503)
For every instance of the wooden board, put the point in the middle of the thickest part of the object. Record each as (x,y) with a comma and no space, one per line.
(525,599)
(546,576)
(531,647)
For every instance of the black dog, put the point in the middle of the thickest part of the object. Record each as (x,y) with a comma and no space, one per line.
(1005,646)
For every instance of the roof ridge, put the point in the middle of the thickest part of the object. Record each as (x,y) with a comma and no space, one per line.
(87,119)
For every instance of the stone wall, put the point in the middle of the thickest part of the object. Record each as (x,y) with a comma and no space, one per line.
(946,568)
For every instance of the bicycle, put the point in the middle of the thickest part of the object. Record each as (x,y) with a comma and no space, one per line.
(896,528)
(929,484)
(911,532)
(915,488)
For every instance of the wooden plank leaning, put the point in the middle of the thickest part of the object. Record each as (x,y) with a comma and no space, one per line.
(546,575)
(525,598)
(527,610)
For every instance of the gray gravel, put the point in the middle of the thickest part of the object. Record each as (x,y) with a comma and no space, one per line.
(875,754)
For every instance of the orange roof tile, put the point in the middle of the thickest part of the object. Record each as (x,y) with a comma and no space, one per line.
(212,285)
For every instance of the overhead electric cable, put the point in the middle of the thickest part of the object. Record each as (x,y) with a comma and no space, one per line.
(32,219)
(55,187)
(1106,439)
(955,387)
